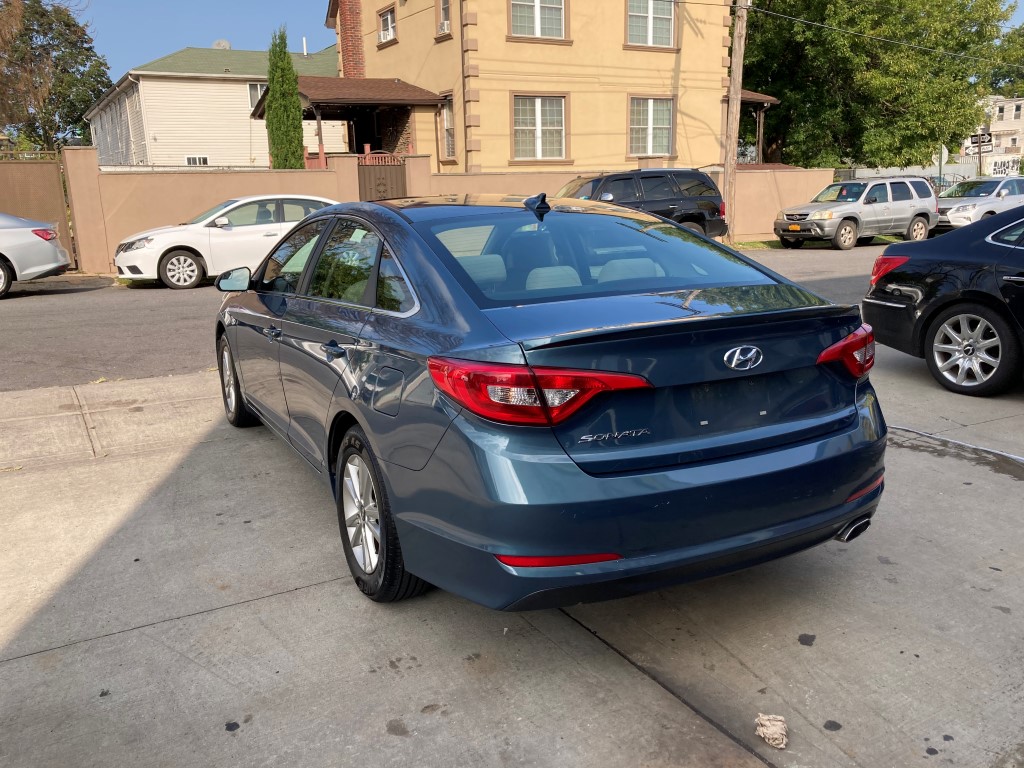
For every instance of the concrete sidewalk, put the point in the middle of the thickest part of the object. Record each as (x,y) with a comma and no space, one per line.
(174,594)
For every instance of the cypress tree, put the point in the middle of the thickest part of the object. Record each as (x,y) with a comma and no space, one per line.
(283,109)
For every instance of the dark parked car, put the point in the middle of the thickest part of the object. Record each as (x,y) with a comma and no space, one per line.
(685,195)
(958,302)
(534,404)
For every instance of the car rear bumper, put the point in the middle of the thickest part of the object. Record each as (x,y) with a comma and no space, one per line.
(716,227)
(479,497)
(892,322)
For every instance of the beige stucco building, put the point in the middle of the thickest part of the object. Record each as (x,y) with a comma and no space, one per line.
(548,84)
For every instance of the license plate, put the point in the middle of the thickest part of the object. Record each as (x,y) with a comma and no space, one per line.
(794,227)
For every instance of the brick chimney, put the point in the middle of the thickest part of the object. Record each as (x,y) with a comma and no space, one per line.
(348,26)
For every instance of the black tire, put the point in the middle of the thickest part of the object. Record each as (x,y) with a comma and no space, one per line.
(693,227)
(384,580)
(846,235)
(918,229)
(181,270)
(862,241)
(237,412)
(791,242)
(6,278)
(986,360)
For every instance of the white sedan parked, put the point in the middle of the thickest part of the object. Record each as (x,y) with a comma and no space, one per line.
(28,250)
(235,233)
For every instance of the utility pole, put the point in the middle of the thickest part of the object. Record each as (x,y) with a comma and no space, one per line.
(732,125)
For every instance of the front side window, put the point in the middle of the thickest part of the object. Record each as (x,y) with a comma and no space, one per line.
(346,264)
(255,91)
(252,214)
(879,193)
(538,18)
(900,191)
(650,22)
(539,128)
(387,28)
(650,126)
(448,127)
(283,269)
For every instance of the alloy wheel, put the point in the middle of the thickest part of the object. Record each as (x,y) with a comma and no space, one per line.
(967,350)
(181,270)
(362,519)
(918,231)
(227,375)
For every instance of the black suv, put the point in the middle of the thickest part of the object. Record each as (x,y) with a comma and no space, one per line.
(684,195)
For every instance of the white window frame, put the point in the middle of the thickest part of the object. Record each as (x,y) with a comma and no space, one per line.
(445,12)
(649,126)
(448,128)
(1016,111)
(197,160)
(387,25)
(260,90)
(538,128)
(650,16)
(537,30)
(1013,141)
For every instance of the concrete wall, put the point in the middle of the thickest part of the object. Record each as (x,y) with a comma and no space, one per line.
(761,193)
(107,206)
(32,189)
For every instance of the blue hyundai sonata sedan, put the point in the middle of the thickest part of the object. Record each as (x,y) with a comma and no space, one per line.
(534,403)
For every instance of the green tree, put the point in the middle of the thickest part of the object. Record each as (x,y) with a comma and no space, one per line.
(54,73)
(283,109)
(1007,77)
(854,99)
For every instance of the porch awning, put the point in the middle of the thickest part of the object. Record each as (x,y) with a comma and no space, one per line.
(335,97)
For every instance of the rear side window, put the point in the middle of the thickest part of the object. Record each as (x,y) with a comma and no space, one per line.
(922,189)
(695,185)
(658,187)
(581,254)
(1011,235)
(297,210)
(900,191)
(393,292)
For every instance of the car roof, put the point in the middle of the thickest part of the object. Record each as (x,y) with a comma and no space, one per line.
(253,198)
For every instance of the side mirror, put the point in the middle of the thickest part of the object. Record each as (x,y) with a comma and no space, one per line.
(871,200)
(222,221)
(1002,192)
(607,197)
(235,280)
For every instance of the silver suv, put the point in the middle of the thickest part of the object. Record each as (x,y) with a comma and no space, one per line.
(853,212)
(969,201)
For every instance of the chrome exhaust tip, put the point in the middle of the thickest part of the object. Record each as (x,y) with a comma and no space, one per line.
(852,530)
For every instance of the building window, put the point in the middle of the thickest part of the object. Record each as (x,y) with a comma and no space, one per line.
(651,22)
(538,18)
(386,30)
(448,128)
(444,17)
(197,160)
(255,91)
(1016,111)
(999,112)
(538,124)
(1013,141)
(650,126)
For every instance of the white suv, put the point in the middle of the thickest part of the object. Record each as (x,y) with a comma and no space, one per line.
(235,233)
(974,199)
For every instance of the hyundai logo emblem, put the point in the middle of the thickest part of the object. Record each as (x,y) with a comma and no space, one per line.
(743,358)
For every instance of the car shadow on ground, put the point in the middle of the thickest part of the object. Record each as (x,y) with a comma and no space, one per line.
(50,286)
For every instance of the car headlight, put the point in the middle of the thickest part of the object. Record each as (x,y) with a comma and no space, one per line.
(964,208)
(780,215)
(819,215)
(136,245)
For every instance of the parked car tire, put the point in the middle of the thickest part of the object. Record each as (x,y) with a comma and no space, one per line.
(368,532)
(693,227)
(791,242)
(918,229)
(237,412)
(6,278)
(181,269)
(846,235)
(865,240)
(972,350)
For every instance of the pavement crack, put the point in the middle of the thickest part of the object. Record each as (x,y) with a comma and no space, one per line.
(674,694)
(90,428)
(173,618)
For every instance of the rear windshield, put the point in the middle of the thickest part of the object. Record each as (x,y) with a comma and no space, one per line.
(512,258)
(971,189)
(843,193)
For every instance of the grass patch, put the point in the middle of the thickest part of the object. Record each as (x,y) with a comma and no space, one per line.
(759,245)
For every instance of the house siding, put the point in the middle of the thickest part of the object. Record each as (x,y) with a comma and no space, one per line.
(118,132)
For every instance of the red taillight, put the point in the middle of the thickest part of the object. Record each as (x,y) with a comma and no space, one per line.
(721,209)
(46,234)
(886,264)
(518,394)
(856,351)
(517,561)
(866,490)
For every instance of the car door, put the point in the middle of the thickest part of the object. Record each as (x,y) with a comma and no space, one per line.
(1009,269)
(257,320)
(903,206)
(253,228)
(876,213)
(1014,194)
(320,342)
(621,190)
(660,195)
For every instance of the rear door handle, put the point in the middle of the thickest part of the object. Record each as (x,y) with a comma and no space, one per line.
(272,333)
(332,350)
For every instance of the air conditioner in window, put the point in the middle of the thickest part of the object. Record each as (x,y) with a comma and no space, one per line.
(444,28)
(386,35)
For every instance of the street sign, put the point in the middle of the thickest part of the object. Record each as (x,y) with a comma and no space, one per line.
(981,138)
(986,149)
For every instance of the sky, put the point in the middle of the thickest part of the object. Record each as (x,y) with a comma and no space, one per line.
(130,33)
